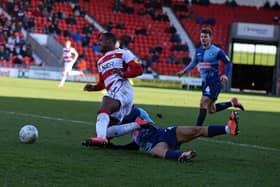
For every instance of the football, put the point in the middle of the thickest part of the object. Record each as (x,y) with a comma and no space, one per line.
(28,134)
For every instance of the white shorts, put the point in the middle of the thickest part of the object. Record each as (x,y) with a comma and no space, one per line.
(68,66)
(122,91)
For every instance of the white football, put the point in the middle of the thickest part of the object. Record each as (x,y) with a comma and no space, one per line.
(28,134)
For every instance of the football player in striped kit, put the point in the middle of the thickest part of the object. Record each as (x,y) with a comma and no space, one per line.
(69,57)
(114,67)
(208,56)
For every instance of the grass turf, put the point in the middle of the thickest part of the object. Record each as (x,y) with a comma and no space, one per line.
(66,116)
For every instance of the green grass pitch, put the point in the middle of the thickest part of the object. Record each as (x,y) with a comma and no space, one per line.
(66,116)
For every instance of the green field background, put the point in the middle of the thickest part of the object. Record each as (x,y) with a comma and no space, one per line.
(66,116)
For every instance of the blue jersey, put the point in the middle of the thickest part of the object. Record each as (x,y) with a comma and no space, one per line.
(208,61)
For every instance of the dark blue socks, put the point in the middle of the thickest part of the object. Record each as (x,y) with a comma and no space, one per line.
(201,117)
(222,106)
(172,155)
(215,130)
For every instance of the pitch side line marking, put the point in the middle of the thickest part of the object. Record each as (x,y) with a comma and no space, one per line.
(92,124)
(47,117)
(241,144)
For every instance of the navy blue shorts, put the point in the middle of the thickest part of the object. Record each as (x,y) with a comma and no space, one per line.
(149,139)
(211,87)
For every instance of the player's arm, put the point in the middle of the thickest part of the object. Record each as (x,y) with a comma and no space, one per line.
(223,57)
(190,66)
(130,146)
(76,55)
(134,69)
(99,86)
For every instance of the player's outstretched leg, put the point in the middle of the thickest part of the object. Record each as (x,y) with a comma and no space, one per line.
(236,103)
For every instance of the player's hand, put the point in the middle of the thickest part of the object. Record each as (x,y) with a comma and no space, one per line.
(119,72)
(224,79)
(89,87)
(180,73)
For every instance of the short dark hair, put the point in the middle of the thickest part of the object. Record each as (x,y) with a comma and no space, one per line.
(206,30)
(110,36)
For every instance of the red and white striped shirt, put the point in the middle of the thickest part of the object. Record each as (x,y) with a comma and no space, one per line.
(117,59)
(67,54)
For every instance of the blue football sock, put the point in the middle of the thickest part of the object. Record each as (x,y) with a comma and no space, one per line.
(222,106)
(215,130)
(201,116)
(172,155)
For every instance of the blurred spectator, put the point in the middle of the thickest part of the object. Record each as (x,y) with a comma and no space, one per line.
(141,12)
(186,60)
(85,40)
(267,5)
(27,50)
(82,64)
(180,47)
(146,64)
(77,10)
(155,57)
(4,54)
(17,50)
(230,3)
(140,31)
(128,9)
(175,38)
(187,14)
(171,59)
(118,6)
(125,40)
(276,19)
(171,29)
(158,49)
(88,28)
(120,25)
(71,20)
(109,26)
(18,61)
(96,48)
(276,6)
(30,24)
(76,36)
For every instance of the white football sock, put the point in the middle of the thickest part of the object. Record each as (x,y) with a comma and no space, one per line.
(102,123)
(63,80)
(120,130)
(227,129)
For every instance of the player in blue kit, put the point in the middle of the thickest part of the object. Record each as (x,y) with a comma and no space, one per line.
(163,142)
(208,56)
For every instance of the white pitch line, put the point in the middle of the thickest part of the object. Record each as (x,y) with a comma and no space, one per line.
(47,117)
(252,146)
(240,144)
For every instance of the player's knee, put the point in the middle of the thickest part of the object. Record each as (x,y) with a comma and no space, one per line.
(196,131)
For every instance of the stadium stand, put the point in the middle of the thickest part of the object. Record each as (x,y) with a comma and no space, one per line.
(141,26)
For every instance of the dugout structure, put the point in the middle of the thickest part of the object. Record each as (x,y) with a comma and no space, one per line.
(254,50)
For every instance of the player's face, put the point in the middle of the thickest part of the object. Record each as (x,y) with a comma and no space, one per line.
(67,44)
(205,39)
(106,44)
